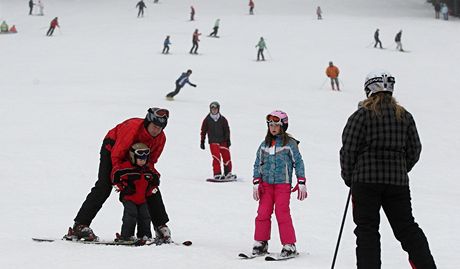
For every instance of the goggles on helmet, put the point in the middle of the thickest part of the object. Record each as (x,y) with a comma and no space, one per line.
(141,153)
(160,112)
(159,116)
(274,120)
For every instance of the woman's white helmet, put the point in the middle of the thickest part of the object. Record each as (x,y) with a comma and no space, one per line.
(379,81)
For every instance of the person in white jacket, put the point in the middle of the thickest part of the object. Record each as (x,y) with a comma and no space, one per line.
(41,6)
(445,11)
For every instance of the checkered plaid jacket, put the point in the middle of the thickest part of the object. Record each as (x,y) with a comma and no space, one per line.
(379,149)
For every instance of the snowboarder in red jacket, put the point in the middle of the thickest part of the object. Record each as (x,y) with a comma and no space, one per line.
(216,127)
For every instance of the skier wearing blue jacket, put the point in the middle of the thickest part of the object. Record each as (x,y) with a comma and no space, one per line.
(180,82)
(166,44)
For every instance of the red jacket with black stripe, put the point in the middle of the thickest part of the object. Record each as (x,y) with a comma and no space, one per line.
(128,133)
(135,183)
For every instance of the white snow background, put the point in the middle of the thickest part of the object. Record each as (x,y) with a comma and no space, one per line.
(60,95)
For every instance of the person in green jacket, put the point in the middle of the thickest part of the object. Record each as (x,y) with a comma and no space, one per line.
(261,45)
(4,27)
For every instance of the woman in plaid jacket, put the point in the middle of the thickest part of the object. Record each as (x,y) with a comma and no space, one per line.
(380,146)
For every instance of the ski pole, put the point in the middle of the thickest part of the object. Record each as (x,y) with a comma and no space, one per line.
(341,229)
(269,54)
(322,85)
(341,82)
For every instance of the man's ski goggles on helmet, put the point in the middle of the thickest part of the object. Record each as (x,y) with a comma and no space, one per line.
(160,112)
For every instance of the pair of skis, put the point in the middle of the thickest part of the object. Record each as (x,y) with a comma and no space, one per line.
(268,257)
(136,243)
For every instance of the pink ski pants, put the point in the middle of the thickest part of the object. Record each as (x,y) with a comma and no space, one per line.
(277,197)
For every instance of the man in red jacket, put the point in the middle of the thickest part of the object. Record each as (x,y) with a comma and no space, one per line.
(54,23)
(113,155)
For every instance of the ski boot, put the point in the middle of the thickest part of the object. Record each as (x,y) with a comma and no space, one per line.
(80,232)
(288,250)
(219,177)
(260,248)
(162,235)
(229,175)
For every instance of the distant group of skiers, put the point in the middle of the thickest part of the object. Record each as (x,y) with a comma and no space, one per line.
(40,6)
(5,29)
(441,8)
(379,42)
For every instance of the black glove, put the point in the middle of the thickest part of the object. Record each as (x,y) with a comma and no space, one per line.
(228,143)
(348,183)
(155,180)
(202,145)
(152,178)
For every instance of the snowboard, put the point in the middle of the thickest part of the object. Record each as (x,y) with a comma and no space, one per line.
(231,179)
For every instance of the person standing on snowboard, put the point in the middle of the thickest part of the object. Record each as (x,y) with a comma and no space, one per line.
(215,126)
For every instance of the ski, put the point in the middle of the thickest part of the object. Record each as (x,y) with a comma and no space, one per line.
(245,256)
(277,257)
(115,243)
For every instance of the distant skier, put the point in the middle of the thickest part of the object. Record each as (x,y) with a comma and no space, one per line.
(377,39)
(41,6)
(166,44)
(445,11)
(262,46)
(332,72)
(215,126)
(31,6)
(319,13)
(13,29)
(437,9)
(251,7)
(135,183)
(4,27)
(54,23)
(141,5)
(215,28)
(398,41)
(180,82)
(276,159)
(195,40)
(192,13)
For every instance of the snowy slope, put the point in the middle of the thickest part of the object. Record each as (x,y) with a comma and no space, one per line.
(60,95)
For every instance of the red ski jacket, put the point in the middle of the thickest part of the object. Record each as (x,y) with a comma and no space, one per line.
(135,183)
(54,23)
(126,134)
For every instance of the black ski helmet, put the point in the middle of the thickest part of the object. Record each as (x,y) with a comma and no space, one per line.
(158,116)
(214,104)
(138,151)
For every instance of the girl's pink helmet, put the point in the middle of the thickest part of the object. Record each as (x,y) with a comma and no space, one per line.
(278,115)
